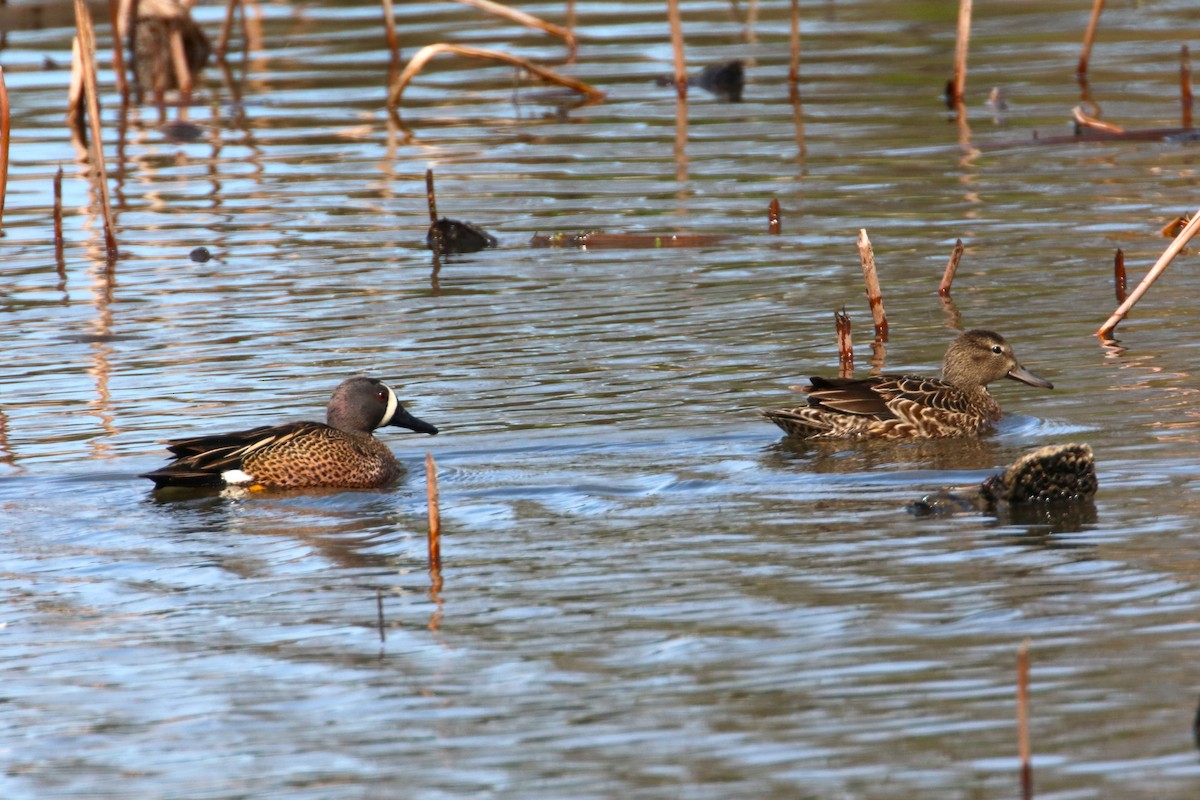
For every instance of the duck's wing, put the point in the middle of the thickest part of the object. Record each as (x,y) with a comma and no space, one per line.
(886,396)
(202,460)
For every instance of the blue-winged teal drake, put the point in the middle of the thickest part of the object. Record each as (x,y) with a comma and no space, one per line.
(339,453)
(911,406)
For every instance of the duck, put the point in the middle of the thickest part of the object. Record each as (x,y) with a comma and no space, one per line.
(341,452)
(912,406)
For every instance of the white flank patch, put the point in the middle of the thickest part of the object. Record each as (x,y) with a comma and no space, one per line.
(235,477)
(392,405)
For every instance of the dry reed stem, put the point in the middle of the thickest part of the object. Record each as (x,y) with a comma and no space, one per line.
(1185,84)
(87,52)
(1089,37)
(773,216)
(521,18)
(379,613)
(114,15)
(393,42)
(226,30)
(958,85)
(431,197)
(5,136)
(1173,249)
(841,321)
(794,40)
(866,255)
(1023,719)
(951,268)
(422,57)
(75,93)
(1085,121)
(1119,276)
(58,221)
(435,514)
(676,24)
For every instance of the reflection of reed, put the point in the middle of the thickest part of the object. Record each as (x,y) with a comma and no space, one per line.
(6,454)
(103,280)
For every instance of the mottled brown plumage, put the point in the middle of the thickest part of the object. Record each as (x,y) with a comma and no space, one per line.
(342,453)
(911,406)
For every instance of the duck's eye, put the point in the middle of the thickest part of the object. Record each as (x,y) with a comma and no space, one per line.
(997,349)
(381,396)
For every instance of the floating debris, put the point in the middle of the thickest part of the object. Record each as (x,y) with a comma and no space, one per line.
(453,236)
(200,255)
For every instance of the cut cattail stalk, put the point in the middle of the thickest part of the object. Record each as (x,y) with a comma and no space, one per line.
(87,52)
(773,216)
(1173,249)
(867,256)
(676,24)
(1119,275)
(521,18)
(1185,84)
(393,43)
(841,321)
(379,613)
(5,132)
(431,197)
(958,85)
(423,56)
(1084,121)
(794,61)
(951,268)
(1023,720)
(435,516)
(1089,36)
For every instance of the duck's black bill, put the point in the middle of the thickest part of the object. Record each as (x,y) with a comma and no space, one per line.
(1019,373)
(403,419)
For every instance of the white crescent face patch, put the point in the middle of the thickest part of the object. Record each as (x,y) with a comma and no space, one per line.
(392,405)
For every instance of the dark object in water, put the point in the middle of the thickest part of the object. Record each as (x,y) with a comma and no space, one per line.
(200,255)
(153,65)
(451,236)
(725,80)
(1062,473)
(181,131)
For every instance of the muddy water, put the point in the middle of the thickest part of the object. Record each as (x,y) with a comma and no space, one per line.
(647,592)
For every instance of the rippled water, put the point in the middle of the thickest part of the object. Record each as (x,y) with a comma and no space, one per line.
(647,592)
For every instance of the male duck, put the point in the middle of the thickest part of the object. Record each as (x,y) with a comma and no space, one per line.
(911,406)
(341,453)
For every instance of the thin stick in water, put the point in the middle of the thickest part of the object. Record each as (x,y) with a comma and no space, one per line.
(951,268)
(431,197)
(677,46)
(58,221)
(1089,37)
(435,514)
(379,613)
(794,61)
(866,255)
(5,133)
(1023,719)
(87,52)
(773,216)
(521,18)
(1173,249)
(841,321)
(958,85)
(1185,84)
(1119,275)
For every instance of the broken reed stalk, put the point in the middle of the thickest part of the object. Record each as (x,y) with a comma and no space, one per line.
(423,56)
(1085,121)
(676,24)
(1185,84)
(226,29)
(794,38)
(951,268)
(1089,36)
(87,51)
(431,197)
(866,255)
(1023,719)
(958,85)
(114,16)
(183,73)
(1173,249)
(435,514)
(5,134)
(393,42)
(58,223)
(521,18)
(841,321)
(1119,275)
(773,217)
(379,613)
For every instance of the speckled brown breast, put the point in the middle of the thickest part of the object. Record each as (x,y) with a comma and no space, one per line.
(323,457)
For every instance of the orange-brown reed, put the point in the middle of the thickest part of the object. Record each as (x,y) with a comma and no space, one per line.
(1023,720)
(841,321)
(1185,84)
(393,42)
(773,216)
(435,514)
(959,83)
(227,28)
(951,268)
(430,197)
(676,24)
(1119,275)
(87,51)
(866,255)
(794,41)
(1089,37)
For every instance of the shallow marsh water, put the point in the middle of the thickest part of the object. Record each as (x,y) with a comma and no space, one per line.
(646,592)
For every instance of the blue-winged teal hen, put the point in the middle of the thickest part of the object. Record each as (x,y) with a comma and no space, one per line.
(342,452)
(911,406)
